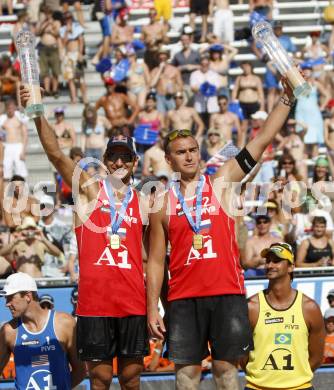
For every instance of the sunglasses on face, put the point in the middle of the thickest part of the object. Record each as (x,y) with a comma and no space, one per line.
(216,134)
(274,260)
(178,133)
(125,157)
(287,163)
(262,222)
(178,97)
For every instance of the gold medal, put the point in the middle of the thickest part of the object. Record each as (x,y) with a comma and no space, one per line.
(197,241)
(115,241)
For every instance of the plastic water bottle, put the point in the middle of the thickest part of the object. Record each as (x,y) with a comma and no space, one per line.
(25,44)
(263,33)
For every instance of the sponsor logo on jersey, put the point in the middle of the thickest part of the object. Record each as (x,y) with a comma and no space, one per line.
(30,342)
(275,320)
(24,336)
(39,360)
(283,338)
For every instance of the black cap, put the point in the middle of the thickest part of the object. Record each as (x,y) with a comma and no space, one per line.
(122,140)
(277,23)
(46,298)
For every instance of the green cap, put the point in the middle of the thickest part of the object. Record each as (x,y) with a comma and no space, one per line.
(322,162)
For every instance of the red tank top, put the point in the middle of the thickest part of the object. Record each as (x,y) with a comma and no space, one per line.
(111,281)
(213,270)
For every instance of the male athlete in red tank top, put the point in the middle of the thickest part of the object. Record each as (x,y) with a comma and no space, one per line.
(111,302)
(206,289)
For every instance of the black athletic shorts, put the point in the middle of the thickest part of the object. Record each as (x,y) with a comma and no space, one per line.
(199,7)
(102,338)
(249,109)
(221,321)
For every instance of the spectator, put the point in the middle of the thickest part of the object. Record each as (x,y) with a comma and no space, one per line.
(309,112)
(122,32)
(27,249)
(17,195)
(199,8)
(249,91)
(329,339)
(46,302)
(154,159)
(279,226)
(317,52)
(317,251)
(212,145)
(187,60)
(205,84)
(262,7)
(95,129)
(253,262)
(77,6)
(9,78)
(5,267)
(138,79)
(223,23)
(65,132)
(330,298)
(220,59)
(14,129)
(293,143)
(225,122)
(49,57)
(115,105)
(150,116)
(23,23)
(58,233)
(183,117)
(166,79)
(154,35)
(9,6)
(72,37)
(164,10)
(329,127)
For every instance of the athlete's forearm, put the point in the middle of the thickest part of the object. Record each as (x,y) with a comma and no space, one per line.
(48,138)
(155,276)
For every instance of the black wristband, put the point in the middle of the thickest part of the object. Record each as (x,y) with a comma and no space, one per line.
(245,160)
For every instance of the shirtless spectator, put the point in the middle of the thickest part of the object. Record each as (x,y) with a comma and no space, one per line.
(115,106)
(223,24)
(65,132)
(13,126)
(122,32)
(72,37)
(187,60)
(49,59)
(18,203)
(166,79)
(153,35)
(9,79)
(184,117)
(262,238)
(154,159)
(27,249)
(225,121)
(77,6)
(294,144)
(95,129)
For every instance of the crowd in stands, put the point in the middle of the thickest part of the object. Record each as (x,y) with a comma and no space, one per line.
(152,86)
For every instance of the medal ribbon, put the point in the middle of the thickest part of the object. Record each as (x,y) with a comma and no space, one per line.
(195,225)
(116,217)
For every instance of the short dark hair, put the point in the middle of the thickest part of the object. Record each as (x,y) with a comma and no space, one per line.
(33,294)
(17,178)
(319,219)
(222,97)
(76,152)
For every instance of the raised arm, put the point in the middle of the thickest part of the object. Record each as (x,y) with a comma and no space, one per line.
(155,273)
(64,165)
(316,338)
(232,171)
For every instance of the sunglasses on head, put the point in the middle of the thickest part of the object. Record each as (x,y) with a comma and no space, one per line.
(178,133)
(125,157)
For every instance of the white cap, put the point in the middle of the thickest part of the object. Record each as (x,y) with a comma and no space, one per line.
(260,115)
(18,282)
(329,313)
(47,199)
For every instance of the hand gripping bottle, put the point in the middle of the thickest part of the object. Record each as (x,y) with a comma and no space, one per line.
(263,33)
(25,43)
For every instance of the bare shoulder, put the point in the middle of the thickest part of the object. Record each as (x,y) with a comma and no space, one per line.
(253,301)
(64,321)
(312,313)
(310,304)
